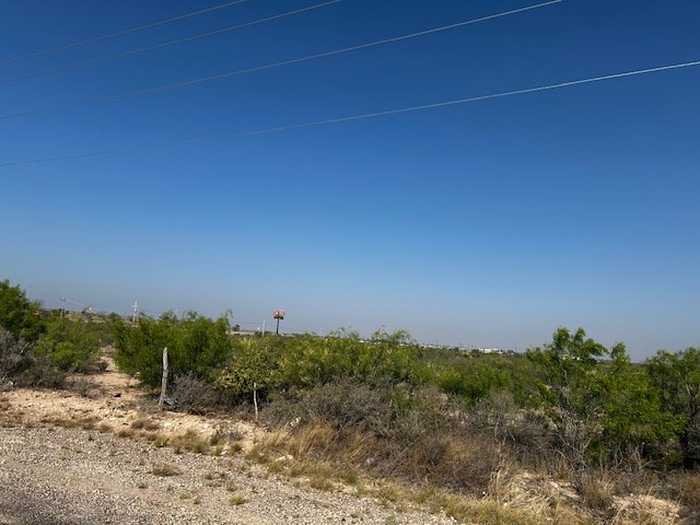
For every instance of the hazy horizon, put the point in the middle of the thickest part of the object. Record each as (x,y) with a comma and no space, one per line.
(519,337)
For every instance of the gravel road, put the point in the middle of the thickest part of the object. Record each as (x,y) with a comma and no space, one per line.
(55,476)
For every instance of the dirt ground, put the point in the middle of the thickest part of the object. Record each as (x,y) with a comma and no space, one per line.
(92,472)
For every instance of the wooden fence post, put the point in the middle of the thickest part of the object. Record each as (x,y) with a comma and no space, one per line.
(164,382)
(255,399)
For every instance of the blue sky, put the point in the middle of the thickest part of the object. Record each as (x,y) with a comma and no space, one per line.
(491,223)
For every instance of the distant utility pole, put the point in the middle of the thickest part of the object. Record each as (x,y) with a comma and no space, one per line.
(66,301)
(278,315)
(263,328)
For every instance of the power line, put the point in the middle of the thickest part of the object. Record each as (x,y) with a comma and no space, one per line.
(306,58)
(124,32)
(390,112)
(192,38)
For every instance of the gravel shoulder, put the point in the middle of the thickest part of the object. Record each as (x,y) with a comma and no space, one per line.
(70,476)
(55,476)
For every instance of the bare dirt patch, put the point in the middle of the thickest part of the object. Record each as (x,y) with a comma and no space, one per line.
(115,403)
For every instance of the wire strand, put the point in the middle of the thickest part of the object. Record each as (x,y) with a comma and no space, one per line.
(192,38)
(306,58)
(390,112)
(124,32)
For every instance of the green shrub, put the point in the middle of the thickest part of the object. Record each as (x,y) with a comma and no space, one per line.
(18,315)
(196,345)
(600,405)
(676,377)
(20,366)
(308,361)
(573,395)
(70,345)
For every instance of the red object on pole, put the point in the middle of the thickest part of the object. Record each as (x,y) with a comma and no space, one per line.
(278,315)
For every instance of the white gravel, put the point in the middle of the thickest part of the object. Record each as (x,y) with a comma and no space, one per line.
(69,476)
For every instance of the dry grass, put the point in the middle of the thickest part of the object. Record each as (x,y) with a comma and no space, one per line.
(466,463)
(191,441)
(104,428)
(215,479)
(126,433)
(145,424)
(237,500)
(82,386)
(279,453)
(188,441)
(645,510)
(160,440)
(165,470)
(320,483)
(597,493)
(85,422)
(145,428)
(688,488)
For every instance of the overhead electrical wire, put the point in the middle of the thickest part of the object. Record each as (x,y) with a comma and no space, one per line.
(192,38)
(385,113)
(124,32)
(307,58)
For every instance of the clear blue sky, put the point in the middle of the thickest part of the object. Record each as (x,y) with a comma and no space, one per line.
(491,223)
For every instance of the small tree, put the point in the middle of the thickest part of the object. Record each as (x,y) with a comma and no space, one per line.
(677,378)
(634,419)
(19,315)
(600,403)
(196,345)
(253,367)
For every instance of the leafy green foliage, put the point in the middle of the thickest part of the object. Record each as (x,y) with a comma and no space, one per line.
(677,380)
(566,369)
(575,395)
(195,344)
(599,402)
(71,345)
(253,366)
(19,315)
(309,361)
(475,377)
(21,366)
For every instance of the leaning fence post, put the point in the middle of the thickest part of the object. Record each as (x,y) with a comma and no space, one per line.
(164,382)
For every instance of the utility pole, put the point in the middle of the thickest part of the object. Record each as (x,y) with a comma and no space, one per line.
(263,328)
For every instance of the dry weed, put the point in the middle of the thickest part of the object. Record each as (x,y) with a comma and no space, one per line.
(165,470)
